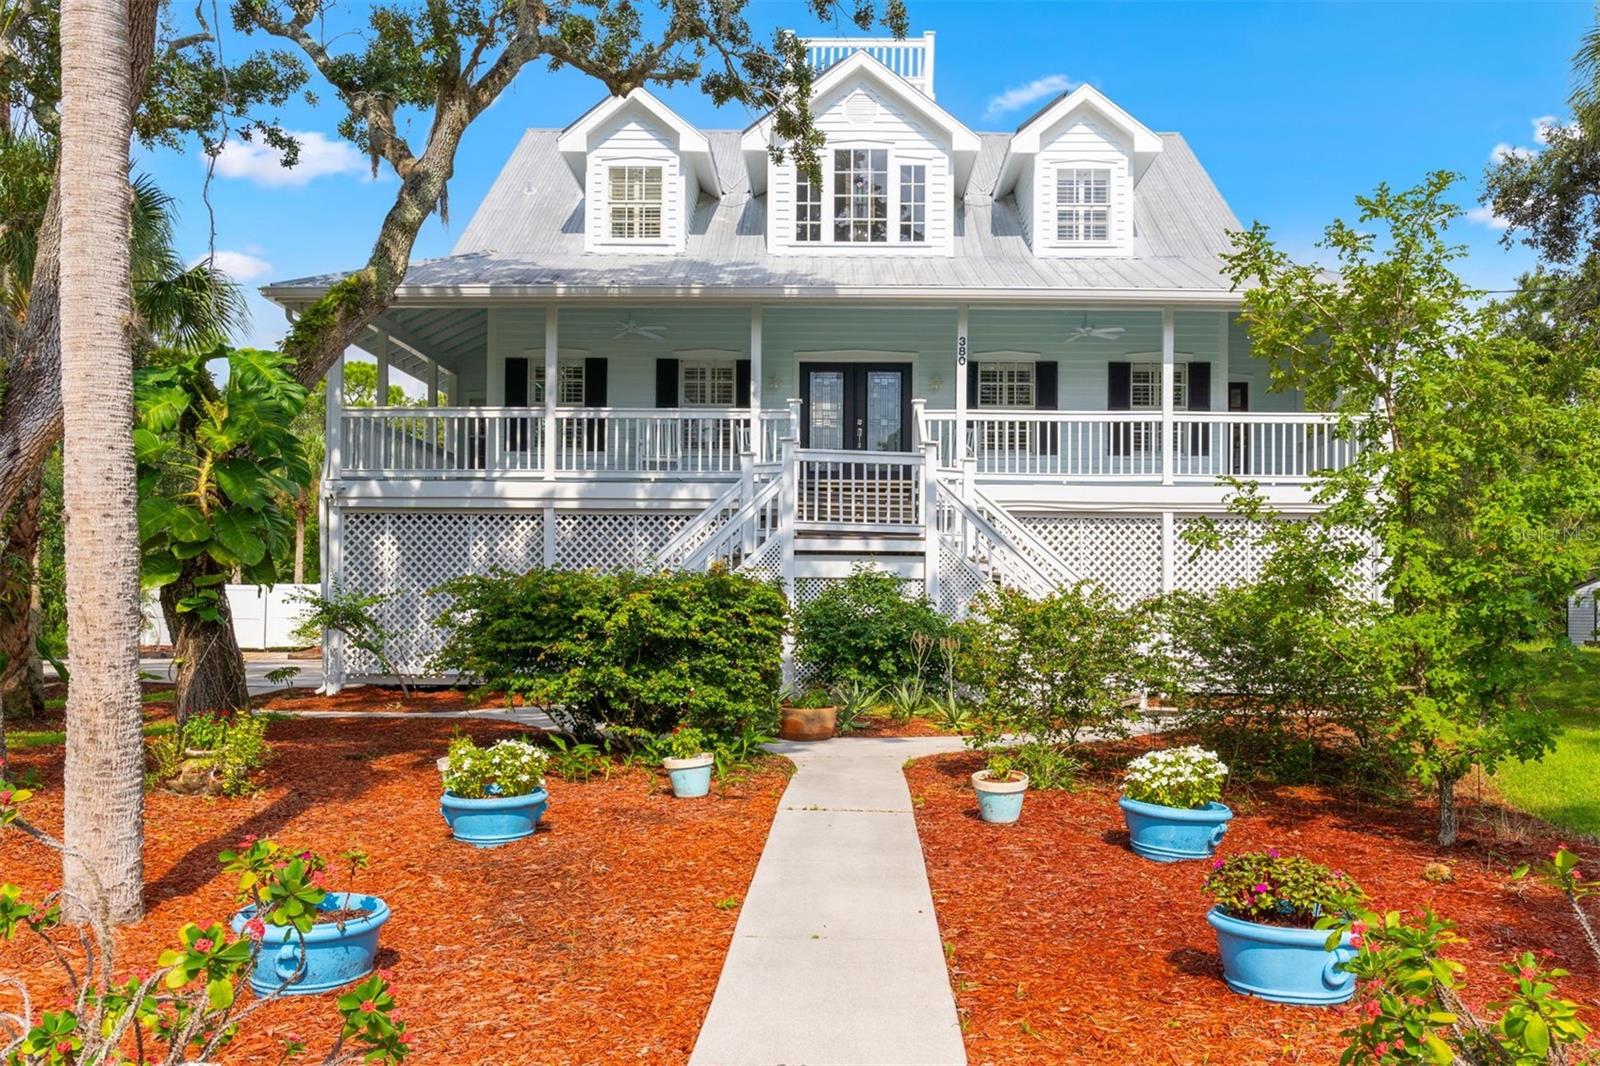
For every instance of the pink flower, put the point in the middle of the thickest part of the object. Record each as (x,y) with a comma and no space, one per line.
(1357,940)
(1260,888)
(319,879)
(1577,874)
(203,945)
(248,839)
(1272,853)
(406,1038)
(255,928)
(1527,973)
(367,1006)
(1358,928)
(1372,1008)
(1381,1049)
(1216,864)
(64,1048)
(5,796)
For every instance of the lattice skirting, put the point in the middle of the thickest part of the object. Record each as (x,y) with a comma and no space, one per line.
(406,554)
(1120,552)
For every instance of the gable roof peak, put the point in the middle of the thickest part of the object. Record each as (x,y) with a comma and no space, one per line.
(575,142)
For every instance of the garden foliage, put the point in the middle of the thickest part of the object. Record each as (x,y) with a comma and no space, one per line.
(644,651)
(506,768)
(212,753)
(867,629)
(1262,886)
(1188,778)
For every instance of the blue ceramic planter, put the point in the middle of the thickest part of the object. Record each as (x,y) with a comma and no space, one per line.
(999,802)
(690,777)
(1281,964)
(1173,834)
(493,820)
(334,955)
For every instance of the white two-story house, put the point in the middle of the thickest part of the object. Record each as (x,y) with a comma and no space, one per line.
(967,357)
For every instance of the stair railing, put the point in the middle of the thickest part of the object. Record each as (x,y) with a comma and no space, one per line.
(972,537)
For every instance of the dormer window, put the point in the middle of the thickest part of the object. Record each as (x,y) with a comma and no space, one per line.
(635,203)
(807,208)
(1083,204)
(861,195)
(913,204)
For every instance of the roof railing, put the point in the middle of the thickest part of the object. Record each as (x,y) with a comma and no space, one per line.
(911,58)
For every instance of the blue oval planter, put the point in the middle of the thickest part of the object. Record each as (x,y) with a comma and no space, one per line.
(690,778)
(493,820)
(1281,964)
(1173,834)
(999,802)
(334,956)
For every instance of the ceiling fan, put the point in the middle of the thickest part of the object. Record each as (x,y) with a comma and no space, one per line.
(629,328)
(1099,332)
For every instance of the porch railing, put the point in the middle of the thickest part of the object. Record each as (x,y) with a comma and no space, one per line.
(628,441)
(439,441)
(845,488)
(1117,445)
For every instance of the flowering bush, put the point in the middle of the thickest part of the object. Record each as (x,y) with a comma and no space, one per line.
(685,742)
(1189,777)
(188,1007)
(1275,890)
(507,768)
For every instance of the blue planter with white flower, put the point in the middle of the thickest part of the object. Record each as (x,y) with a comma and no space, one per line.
(337,950)
(1174,834)
(1281,963)
(493,795)
(493,820)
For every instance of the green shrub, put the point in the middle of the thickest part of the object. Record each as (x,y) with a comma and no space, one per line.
(1052,668)
(632,650)
(507,768)
(1047,766)
(685,742)
(1261,886)
(576,760)
(854,700)
(213,754)
(865,628)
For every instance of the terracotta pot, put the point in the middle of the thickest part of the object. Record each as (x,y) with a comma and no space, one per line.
(808,723)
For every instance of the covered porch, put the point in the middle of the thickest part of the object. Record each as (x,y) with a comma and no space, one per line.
(1065,393)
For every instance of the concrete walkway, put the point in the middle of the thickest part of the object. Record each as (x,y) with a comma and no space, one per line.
(836,958)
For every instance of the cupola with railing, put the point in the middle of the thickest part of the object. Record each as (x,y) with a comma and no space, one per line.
(911,58)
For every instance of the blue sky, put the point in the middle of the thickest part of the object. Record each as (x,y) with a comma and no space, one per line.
(1293,108)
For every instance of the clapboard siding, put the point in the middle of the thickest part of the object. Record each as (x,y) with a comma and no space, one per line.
(633,140)
(858,115)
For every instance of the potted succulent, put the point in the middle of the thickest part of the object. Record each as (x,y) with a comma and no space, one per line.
(1273,917)
(493,795)
(306,939)
(1000,787)
(687,761)
(812,716)
(1171,804)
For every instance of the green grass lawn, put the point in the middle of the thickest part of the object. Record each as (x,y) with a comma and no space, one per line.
(1564,788)
(23,739)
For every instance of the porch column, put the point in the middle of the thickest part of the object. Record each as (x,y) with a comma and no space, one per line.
(1168,348)
(958,447)
(331,519)
(381,396)
(433,383)
(551,314)
(756,442)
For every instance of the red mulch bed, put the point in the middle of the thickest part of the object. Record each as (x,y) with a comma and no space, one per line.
(599,939)
(874,725)
(361,699)
(1065,946)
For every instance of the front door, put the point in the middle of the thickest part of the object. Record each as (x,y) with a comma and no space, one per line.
(856,406)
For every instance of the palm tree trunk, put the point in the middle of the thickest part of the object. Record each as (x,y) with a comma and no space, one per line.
(21,682)
(104,776)
(210,674)
(300,538)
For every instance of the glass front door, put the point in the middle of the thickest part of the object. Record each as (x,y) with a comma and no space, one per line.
(856,406)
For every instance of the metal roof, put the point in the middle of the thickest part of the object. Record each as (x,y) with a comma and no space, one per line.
(526,241)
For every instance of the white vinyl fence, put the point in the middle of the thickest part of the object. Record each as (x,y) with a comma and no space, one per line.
(262,617)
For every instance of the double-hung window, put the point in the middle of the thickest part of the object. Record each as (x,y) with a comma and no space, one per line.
(807,208)
(569,385)
(708,384)
(1144,383)
(635,202)
(861,195)
(1083,204)
(913,203)
(1006,386)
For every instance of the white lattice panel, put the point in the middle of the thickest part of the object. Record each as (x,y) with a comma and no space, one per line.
(959,582)
(405,554)
(611,541)
(1120,552)
(1206,570)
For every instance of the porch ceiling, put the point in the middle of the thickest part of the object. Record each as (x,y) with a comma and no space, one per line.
(453,337)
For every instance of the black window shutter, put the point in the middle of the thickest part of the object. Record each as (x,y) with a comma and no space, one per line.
(666,383)
(741,383)
(517,396)
(1200,400)
(1046,398)
(1119,397)
(972,384)
(594,395)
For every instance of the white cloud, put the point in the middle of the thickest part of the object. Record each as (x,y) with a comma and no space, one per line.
(240,266)
(1543,127)
(1503,151)
(1020,96)
(262,164)
(1485,216)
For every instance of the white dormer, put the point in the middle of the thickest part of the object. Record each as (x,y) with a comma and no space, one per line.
(1073,168)
(642,169)
(894,164)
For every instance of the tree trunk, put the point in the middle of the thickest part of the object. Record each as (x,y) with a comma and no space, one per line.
(21,681)
(300,539)
(103,785)
(1447,811)
(210,667)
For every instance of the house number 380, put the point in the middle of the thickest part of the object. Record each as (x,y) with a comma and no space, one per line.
(961,351)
